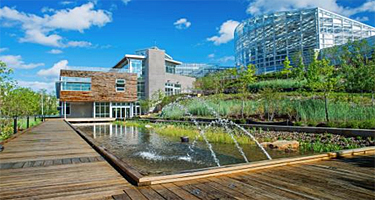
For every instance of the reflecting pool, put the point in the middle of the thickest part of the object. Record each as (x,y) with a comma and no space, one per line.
(151,153)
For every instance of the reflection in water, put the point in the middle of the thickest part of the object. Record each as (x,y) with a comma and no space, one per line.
(151,153)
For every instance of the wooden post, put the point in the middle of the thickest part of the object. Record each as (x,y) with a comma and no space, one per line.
(14,125)
(27,122)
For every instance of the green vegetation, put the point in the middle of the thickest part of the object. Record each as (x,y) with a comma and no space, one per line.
(307,111)
(336,89)
(308,142)
(213,135)
(20,102)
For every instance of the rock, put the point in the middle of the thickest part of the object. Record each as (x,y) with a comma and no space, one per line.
(284,144)
(148,126)
(266,144)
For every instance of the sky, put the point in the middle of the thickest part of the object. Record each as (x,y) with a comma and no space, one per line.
(38,38)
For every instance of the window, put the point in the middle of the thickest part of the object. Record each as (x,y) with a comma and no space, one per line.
(75,84)
(101,109)
(120,85)
(141,88)
(170,68)
(172,89)
(67,108)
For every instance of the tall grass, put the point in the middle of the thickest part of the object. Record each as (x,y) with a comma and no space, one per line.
(213,134)
(303,110)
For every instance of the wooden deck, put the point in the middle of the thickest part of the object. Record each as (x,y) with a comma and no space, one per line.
(52,161)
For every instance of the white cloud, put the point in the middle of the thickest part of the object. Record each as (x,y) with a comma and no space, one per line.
(226,33)
(182,23)
(36,85)
(3,49)
(42,30)
(47,9)
(54,71)
(78,44)
(362,19)
(55,51)
(125,1)
(66,2)
(36,36)
(16,62)
(265,6)
(212,55)
(225,59)
(79,18)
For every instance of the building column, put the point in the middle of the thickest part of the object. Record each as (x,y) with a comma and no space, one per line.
(110,110)
(64,109)
(131,110)
(93,110)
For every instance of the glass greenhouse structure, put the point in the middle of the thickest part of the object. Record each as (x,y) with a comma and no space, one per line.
(266,40)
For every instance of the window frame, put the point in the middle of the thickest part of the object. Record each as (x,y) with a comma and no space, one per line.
(117,87)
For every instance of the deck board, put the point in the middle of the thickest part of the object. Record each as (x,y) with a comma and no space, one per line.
(54,162)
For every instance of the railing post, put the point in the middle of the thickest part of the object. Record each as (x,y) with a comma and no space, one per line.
(27,122)
(14,125)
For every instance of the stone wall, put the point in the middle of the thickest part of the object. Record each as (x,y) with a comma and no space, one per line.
(103,87)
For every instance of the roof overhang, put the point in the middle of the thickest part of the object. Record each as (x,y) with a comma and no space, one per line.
(173,61)
(126,58)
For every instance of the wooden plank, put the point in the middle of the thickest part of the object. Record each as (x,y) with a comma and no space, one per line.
(227,189)
(249,190)
(165,193)
(149,193)
(179,191)
(46,164)
(319,181)
(134,193)
(121,197)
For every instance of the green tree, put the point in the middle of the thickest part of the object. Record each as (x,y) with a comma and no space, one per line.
(321,76)
(287,70)
(244,77)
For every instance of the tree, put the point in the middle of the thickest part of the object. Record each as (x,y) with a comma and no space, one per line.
(321,76)
(287,68)
(244,77)
(298,71)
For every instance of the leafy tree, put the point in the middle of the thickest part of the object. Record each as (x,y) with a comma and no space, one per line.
(321,76)
(244,77)
(299,69)
(287,70)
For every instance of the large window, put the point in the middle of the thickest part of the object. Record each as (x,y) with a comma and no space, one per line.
(137,66)
(75,84)
(141,88)
(120,85)
(101,109)
(170,68)
(172,89)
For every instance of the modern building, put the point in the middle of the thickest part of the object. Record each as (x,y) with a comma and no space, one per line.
(156,71)
(97,94)
(115,92)
(198,70)
(333,53)
(266,40)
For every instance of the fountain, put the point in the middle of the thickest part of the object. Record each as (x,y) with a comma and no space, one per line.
(219,121)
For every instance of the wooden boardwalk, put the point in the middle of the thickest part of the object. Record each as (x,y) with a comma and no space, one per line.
(52,161)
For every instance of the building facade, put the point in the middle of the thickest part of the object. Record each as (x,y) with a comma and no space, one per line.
(115,92)
(156,71)
(198,70)
(266,40)
(94,94)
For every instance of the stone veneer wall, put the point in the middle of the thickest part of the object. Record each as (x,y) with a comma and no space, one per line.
(103,87)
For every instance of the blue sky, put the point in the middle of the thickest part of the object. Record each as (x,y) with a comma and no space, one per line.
(38,38)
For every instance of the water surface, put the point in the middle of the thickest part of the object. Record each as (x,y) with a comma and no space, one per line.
(151,153)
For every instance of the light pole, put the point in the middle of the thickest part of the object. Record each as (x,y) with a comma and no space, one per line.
(42,106)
